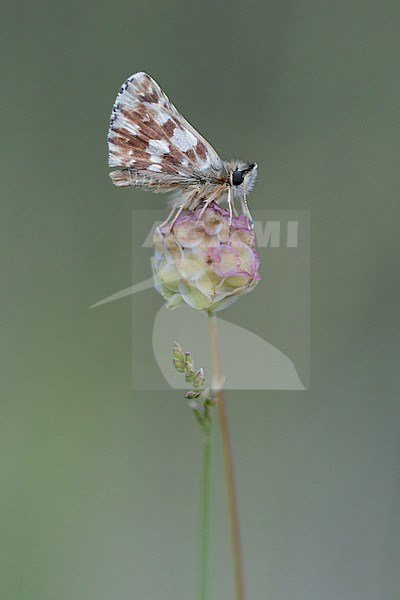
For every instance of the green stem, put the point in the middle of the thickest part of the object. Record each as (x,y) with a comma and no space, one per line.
(205,515)
(228,459)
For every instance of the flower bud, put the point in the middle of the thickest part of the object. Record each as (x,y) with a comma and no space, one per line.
(205,261)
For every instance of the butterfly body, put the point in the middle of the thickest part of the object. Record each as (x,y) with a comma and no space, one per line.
(154,147)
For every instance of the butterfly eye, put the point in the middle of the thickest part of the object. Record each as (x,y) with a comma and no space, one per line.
(237,177)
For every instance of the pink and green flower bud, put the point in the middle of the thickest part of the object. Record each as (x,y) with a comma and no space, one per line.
(205,261)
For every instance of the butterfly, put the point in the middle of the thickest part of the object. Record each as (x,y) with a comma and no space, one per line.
(154,147)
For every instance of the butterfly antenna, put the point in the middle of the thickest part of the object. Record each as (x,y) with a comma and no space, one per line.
(230,198)
(245,206)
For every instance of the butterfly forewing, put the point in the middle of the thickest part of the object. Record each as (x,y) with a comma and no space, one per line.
(150,137)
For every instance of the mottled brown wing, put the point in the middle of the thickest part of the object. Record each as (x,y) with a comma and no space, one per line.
(150,137)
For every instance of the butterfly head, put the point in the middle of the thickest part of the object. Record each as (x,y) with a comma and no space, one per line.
(243,174)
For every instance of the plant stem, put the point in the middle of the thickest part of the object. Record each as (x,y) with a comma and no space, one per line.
(205,515)
(228,459)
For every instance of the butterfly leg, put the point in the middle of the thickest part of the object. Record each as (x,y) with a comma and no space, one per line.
(180,209)
(167,220)
(185,204)
(206,205)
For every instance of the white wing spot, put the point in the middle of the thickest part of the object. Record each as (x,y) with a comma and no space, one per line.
(154,168)
(155,159)
(161,117)
(158,147)
(183,139)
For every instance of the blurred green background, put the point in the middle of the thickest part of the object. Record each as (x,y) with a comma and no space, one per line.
(100,484)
